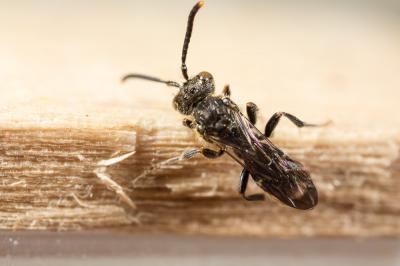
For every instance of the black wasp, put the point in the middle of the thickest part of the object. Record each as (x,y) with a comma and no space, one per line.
(219,121)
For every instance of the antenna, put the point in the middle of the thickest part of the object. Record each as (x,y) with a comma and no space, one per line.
(189,29)
(150,78)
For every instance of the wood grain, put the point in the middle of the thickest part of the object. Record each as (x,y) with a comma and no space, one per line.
(49,183)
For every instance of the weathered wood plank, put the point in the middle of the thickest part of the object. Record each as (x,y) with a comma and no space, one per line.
(49,182)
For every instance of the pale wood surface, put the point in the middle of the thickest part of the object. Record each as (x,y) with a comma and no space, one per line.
(63,111)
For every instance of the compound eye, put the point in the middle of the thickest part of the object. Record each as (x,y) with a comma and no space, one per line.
(205,75)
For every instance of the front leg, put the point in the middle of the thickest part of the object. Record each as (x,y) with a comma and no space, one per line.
(226,91)
(189,123)
(211,154)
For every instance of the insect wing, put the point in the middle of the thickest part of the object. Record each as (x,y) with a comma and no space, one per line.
(272,170)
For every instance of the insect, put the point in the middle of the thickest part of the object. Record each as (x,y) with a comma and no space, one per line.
(220,122)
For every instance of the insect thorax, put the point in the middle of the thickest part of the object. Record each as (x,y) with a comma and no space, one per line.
(214,118)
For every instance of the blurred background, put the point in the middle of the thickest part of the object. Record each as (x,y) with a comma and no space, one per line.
(319,60)
(293,56)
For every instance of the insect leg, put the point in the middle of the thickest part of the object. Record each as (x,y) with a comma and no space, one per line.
(211,154)
(274,120)
(226,91)
(244,178)
(252,109)
(188,34)
(188,123)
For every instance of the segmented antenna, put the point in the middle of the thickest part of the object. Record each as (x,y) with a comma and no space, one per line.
(150,78)
(189,29)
